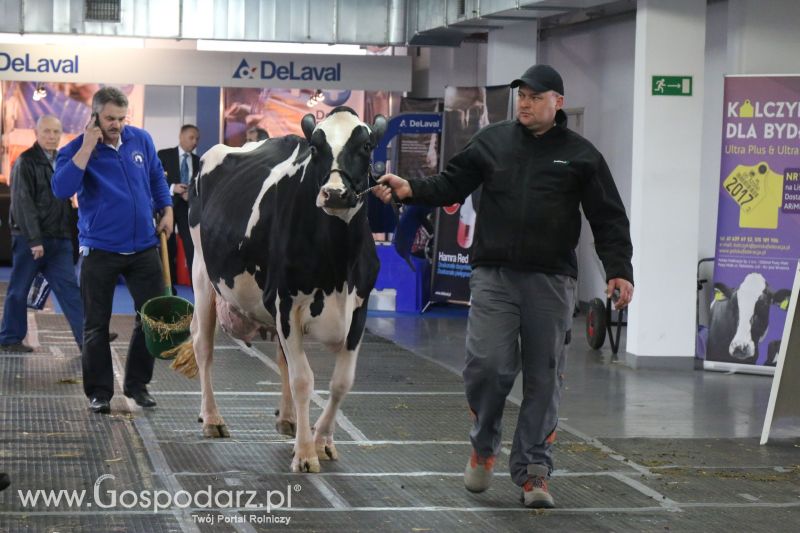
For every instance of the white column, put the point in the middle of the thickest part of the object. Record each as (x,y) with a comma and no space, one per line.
(510,51)
(667,135)
(437,67)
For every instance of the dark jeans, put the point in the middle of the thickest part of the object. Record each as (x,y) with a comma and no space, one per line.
(58,269)
(99,275)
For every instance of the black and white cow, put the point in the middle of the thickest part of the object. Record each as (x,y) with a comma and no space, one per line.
(740,318)
(282,243)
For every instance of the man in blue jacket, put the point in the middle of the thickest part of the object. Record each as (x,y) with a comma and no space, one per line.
(120,182)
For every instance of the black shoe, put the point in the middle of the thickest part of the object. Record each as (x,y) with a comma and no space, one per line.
(4,481)
(113,336)
(142,398)
(17,347)
(99,405)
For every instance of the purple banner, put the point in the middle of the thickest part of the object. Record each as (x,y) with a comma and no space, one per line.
(758,225)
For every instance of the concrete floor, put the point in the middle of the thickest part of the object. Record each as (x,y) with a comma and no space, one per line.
(604,398)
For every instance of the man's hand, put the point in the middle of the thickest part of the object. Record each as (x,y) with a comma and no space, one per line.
(37,252)
(91,136)
(166,222)
(392,183)
(182,190)
(625,288)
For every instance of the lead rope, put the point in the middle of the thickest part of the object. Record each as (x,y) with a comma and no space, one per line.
(380,167)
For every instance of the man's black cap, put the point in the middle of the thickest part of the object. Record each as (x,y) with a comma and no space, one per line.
(541,78)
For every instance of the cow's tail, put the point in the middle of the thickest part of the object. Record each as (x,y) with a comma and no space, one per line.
(184,361)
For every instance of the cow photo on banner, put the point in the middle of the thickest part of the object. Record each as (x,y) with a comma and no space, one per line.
(466,110)
(279,111)
(758,224)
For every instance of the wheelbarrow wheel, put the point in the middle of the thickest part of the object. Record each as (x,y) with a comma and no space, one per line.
(596,322)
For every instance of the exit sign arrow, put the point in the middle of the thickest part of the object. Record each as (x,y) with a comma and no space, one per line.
(672,86)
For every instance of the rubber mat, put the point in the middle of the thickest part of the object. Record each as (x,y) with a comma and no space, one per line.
(402,446)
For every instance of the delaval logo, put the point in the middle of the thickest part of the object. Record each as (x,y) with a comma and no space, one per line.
(244,70)
(44,64)
(271,70)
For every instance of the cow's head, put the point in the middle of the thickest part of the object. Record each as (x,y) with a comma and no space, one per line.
(749,312)
(341,146)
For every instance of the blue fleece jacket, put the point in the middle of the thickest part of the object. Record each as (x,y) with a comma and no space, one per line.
(117,193)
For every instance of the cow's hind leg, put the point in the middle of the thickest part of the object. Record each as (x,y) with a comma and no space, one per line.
(204,323)
(286,422)
(341,383)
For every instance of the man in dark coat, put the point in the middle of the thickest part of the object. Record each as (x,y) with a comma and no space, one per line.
(41,229)
(180,166)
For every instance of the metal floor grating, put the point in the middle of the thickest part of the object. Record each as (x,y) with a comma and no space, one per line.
(406,475)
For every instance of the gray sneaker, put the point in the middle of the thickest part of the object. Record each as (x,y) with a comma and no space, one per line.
(535,493)
(478,473)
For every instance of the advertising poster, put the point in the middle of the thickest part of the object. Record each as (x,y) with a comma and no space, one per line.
(758,225)
(466,110)
(279,111)
(418,153)
(24,102)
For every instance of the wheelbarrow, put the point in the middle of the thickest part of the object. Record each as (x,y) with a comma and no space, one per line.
(166,319)
(600,322)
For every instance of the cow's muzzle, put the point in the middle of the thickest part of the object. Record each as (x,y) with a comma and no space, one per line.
(336,198)
(742,350)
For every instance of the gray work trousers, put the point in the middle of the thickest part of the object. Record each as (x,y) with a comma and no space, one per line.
(517,321)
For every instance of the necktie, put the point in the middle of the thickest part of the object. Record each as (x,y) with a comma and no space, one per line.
(185,168)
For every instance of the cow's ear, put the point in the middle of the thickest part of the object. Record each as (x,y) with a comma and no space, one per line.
(721,292)
(781,298)
(308,124)
(378,129)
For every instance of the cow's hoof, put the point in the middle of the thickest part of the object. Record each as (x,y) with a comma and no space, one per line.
(286,427)
(199,419)
(216,431)
(327,451)
(305,465)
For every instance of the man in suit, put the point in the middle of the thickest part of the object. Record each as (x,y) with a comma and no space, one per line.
(180,166)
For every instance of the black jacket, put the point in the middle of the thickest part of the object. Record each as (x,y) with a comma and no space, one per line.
(528,217)
(35,212)
(172,169)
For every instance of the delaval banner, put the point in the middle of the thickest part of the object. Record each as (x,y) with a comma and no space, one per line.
(758,225)
(466,110)
(157,66)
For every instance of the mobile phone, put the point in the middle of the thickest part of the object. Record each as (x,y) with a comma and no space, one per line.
(96,119)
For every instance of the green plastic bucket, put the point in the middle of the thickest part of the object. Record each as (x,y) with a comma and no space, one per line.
(165,322)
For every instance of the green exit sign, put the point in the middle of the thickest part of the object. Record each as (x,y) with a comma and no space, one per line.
(672,86)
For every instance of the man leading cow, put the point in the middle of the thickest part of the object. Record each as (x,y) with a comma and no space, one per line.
(535,174)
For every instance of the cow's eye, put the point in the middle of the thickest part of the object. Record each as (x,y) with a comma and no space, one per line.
(367,147)
(313,150)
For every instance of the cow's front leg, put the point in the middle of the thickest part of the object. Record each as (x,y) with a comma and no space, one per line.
(286,422)
(341,383)
(301,381)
